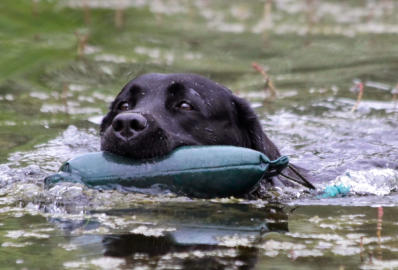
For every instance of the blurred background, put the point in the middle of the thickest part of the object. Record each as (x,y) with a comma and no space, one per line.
(62,61)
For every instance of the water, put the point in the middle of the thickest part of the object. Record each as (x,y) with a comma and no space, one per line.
(52,96)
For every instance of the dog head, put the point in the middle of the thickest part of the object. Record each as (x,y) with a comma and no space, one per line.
(156,113)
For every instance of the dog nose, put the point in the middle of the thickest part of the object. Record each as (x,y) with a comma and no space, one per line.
(127,125)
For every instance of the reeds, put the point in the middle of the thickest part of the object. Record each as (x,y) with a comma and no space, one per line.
(119,14)
(64,97)
(35,8)
(267,20)
(269,85)
(357,88)
(82,39)
(394,93)
(86,11)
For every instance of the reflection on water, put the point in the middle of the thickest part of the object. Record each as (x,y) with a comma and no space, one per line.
(228,231)
(151,235)
(57,79)
(144,249)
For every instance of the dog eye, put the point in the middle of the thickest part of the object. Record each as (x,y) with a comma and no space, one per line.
(124,106)
(184,106)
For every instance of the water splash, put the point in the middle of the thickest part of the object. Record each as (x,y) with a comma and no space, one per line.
(375,181)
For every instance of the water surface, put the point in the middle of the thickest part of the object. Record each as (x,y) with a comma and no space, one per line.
(53,93)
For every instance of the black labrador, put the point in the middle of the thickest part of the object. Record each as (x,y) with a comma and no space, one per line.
(156,113)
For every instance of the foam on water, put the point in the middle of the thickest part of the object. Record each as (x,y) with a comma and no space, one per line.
(50,155)
(21,180)
(375,181)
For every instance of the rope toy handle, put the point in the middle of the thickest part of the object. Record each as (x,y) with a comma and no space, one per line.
(276,166)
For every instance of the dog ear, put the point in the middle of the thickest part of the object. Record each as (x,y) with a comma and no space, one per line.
(255,136)
(256,139)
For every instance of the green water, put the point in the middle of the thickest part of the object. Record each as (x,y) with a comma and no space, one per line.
(52,95)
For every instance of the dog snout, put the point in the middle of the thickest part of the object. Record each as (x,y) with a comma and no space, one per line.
(128,125)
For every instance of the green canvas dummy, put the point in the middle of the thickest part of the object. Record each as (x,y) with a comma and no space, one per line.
(201,171)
